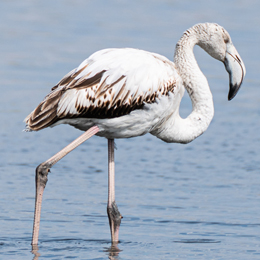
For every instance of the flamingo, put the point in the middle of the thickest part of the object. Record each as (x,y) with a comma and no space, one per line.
(123,93)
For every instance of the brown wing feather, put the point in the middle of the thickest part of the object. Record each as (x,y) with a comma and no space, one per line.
(122,104)
(119,105)
(79,96)
(45,113)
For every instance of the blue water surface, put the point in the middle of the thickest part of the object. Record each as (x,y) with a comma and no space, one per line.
(194,201)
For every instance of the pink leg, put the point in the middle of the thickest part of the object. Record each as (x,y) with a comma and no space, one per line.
(41,177)
(113,213)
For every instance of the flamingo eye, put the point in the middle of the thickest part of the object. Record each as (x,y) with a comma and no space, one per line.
(225,36)
(226,40)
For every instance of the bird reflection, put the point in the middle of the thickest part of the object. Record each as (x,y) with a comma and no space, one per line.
(113,251)
(34,251)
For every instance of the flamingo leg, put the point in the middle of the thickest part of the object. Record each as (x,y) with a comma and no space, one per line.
(42,173)
(113,213)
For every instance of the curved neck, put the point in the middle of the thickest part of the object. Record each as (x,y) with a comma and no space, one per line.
(185,130)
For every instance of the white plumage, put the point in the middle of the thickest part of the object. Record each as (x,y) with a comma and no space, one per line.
(122,93)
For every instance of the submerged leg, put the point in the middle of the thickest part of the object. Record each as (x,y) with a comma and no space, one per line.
(41,177)
(113,213)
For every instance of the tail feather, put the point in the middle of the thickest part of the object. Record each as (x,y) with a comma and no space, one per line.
(45,114)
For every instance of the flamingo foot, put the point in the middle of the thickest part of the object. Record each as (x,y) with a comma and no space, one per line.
(41,178)
(114,217)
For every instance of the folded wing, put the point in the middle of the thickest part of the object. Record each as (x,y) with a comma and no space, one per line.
(110,83)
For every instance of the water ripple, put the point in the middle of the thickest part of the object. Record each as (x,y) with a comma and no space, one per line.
(197,241)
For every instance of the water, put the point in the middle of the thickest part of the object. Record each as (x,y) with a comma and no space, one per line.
(195,201)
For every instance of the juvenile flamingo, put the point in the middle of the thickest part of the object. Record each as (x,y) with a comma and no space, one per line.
(123,93)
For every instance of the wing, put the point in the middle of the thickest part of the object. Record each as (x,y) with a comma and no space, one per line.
(110,83)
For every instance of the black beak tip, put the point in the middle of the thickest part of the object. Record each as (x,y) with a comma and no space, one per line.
(233,89)
(230,97)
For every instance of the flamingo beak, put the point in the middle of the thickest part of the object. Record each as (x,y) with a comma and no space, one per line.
(236,69)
